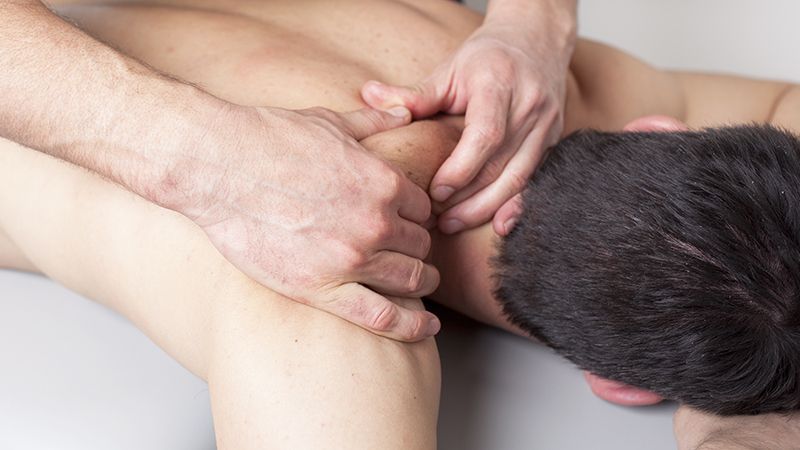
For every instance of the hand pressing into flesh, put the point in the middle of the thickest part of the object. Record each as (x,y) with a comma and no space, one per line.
(288,197)
(297,204)
(509,79)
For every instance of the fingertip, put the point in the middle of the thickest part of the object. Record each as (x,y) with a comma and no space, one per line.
(451,225)
(442,193)
(400,112)
(370,91)
(433,327)
(504,228)
(425,325)
(382,96)
(507,216)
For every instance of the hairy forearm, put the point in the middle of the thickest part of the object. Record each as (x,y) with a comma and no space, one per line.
(559,16)
(68,95)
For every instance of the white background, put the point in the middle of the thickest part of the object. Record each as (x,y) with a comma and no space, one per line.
(76,376)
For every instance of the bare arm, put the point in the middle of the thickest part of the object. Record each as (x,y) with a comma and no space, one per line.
(786,111)
(104,98)
(262,183)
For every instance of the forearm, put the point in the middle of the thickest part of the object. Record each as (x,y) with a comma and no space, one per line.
(557,17)
(68,95)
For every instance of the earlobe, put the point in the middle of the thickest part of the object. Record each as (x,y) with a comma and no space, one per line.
(619,393)
(656,123)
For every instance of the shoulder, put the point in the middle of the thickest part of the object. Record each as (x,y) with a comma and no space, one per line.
(608,88)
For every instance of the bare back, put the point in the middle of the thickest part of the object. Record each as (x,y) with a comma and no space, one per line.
(298,54)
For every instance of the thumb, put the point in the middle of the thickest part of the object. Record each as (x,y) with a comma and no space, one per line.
(367,121)
(422,99)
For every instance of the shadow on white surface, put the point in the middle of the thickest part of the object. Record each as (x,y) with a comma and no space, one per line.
(77,376)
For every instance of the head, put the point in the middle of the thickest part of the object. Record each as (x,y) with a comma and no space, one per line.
(667,261)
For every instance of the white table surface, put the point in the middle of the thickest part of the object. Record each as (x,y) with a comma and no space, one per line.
(76,376)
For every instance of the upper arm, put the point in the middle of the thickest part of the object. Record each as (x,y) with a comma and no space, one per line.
(11,257)
(715,100)
(786,110)
(609,88)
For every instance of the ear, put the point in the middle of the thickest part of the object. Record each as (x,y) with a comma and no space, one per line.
(656,123)
(621,394)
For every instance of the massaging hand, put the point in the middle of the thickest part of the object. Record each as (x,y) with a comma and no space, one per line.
(302,208)
(509,80)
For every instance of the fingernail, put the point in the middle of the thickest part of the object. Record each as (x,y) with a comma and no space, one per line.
(434,326)
(451,226)
(399,111)
(509,225)
(442,193)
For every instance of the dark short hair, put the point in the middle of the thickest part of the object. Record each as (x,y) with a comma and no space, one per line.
(667,261)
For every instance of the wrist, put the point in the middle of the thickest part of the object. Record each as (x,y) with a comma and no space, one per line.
(190,155)
(554,21)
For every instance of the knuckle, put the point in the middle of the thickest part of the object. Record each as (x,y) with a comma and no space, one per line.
(505,72)
(392,183)
(413,332)
(491,171)
(490,135)
(516,182)
(385,317)
(531,98)
(416,279)
(382,230)
(352,259)
(461,174)
(375,119)
(425,243)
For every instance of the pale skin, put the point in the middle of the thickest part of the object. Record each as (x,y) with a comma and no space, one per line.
(282,374)
(225,166)
(508,79)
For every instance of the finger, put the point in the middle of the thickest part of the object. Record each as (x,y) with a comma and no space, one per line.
(479,208)
(619,393)
(490,171)
(656,123)
(367,309)
(484,132)
(412,201)
(408,238)
(393,273)
(367,121)
(506,217)
(422,99)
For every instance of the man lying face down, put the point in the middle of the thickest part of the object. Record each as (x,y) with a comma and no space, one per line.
(666,261)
